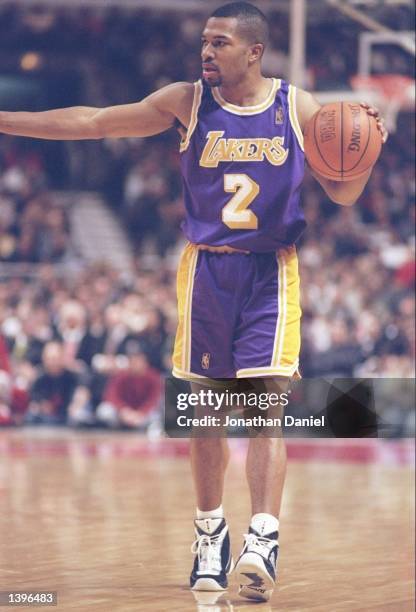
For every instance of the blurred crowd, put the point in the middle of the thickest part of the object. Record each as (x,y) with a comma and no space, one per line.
(91,349)
(87,348)
(33,227)
(132,51)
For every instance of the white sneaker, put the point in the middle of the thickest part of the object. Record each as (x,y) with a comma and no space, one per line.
(213,560)
(256,566)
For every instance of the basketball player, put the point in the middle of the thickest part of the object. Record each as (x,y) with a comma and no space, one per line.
(238,287)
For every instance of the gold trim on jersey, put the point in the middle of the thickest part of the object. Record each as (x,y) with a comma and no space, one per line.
(293,115)
(247,110)
(194,116)
(184,286)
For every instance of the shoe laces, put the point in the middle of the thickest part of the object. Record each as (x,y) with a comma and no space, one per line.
(208,549)
(258,544)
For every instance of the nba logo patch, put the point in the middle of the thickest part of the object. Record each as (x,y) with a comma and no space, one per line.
(279,115)
(205,361)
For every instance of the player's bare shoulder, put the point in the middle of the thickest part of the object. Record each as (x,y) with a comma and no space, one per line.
(306,106)
(177,98)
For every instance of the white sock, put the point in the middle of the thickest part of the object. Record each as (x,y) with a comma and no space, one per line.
(264,523)
(217,513)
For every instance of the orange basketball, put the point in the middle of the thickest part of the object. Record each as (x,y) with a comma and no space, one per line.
(342,141)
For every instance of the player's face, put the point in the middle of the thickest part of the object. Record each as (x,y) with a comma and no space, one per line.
(225,55)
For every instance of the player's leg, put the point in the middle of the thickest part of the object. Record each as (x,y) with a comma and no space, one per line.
(265,470)
(213,560)
(267,345)
(203,349)
(266,457)
(209,459)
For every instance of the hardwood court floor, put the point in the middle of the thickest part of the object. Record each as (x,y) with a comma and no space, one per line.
(106,521)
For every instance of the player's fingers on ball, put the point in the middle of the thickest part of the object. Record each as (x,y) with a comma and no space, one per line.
(371,110)
(382,129)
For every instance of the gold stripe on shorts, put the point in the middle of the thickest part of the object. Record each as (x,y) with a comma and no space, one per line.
(287,339)
(184,288)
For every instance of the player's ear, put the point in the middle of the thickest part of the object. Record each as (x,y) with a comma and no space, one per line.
(255,53)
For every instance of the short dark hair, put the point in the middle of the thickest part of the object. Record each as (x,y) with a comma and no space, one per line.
(252,23)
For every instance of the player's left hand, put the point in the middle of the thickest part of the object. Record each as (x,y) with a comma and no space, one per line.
(374,112)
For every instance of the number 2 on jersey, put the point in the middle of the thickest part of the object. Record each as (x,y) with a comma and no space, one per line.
(235,213)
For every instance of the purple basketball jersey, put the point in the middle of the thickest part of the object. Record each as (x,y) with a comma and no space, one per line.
(242,170)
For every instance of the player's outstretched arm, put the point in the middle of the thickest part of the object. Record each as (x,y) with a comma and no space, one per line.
(345,193)
(153,115)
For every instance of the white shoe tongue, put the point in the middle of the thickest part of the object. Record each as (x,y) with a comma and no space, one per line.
(260,530)
(208,525)
(264,524)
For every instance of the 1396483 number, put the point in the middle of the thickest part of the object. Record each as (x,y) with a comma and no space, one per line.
(28,598)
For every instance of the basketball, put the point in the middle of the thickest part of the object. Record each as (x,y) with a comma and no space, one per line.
(342,142)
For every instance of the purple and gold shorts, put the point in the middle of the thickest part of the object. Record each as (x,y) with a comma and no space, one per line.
(239,313)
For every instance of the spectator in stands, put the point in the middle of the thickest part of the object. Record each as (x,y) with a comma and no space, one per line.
(79,343)
(13,401)
(147,326)
(132,397)
(52,391)
(343,355)
(116,329)
(31,333)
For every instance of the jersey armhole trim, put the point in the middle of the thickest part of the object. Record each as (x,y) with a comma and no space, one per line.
(293,115)
(194,116)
